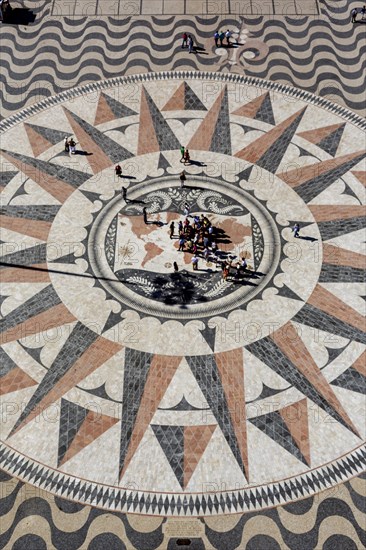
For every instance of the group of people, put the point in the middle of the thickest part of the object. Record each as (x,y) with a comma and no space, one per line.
(220,36)
(355,11)
(70,146)
(197,236)
(187,42)
(185,156)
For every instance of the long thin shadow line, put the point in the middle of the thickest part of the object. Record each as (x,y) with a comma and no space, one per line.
(85,275)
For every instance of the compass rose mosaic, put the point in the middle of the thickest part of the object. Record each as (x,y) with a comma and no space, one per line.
(130,380)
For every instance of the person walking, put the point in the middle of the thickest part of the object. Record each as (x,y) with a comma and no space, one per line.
(190,44)
(186,209)
(171,230)
(363,12)
(180,227)
(182,178)
(195,262)
(118,171)
(184,40)
(228,35)
(181,244)
(187,158)
(222,37)
(175,266)
(66,145)
(354,13)
(182,149)
(296,230)
(217,37)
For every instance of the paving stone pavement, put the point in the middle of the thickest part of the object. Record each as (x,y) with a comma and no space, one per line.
(143,408)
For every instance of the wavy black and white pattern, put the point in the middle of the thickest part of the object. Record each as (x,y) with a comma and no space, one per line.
(323,54)
(33,519)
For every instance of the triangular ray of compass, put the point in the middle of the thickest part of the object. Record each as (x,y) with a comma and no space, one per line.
(83,352)
(58,181)
(340,264)
(184,99)
(268,150)
(311,180)
(293,347)
(33,220)
(354,378)
(44,309)
(213,134)
(12,377)
(336,220)
(155,133)
(110,109)
(141,400)
(105,151)
(325,311)
(213,376)
(27,265)
(286,354)
(79,427)
(327,137)
(259,108)
(41,138)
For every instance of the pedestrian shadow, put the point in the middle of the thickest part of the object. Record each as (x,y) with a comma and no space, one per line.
(197,163)
(200,49)
(311,239)
(19,16)
(127,177)
(83,153)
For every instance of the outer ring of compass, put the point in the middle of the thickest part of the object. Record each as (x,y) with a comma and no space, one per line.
(323,477)
(235,300)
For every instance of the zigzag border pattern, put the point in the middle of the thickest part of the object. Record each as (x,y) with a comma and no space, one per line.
(191,75)
(189,505)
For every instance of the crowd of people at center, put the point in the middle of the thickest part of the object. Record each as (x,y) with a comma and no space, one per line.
(197,236)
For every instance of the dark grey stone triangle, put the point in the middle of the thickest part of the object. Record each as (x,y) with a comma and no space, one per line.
(51,135)
(118,109)
(272,158)
(121,129)
(265,111)
(349,191)
(5,177)
(286,292)
(113,320)
(67,259)
(35,353)
(333,353)
(171,440)
(313,187)
(205,371)
(25,257)
(267,392)
(314,317)
(90,195)
(77,343)
(68,175)
(330,143)
(165,136)
(71,418)
(163,163)
(221,139)
(136,369)
(351,379)
(38,303)
(245,174)
(191,101)
(209,335)
(270,354)
(304,152)
(6,363)
(110,148)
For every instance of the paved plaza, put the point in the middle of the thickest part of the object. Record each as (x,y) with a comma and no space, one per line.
(146,404)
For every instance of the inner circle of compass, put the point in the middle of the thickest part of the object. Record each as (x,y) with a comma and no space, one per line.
(139,254)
